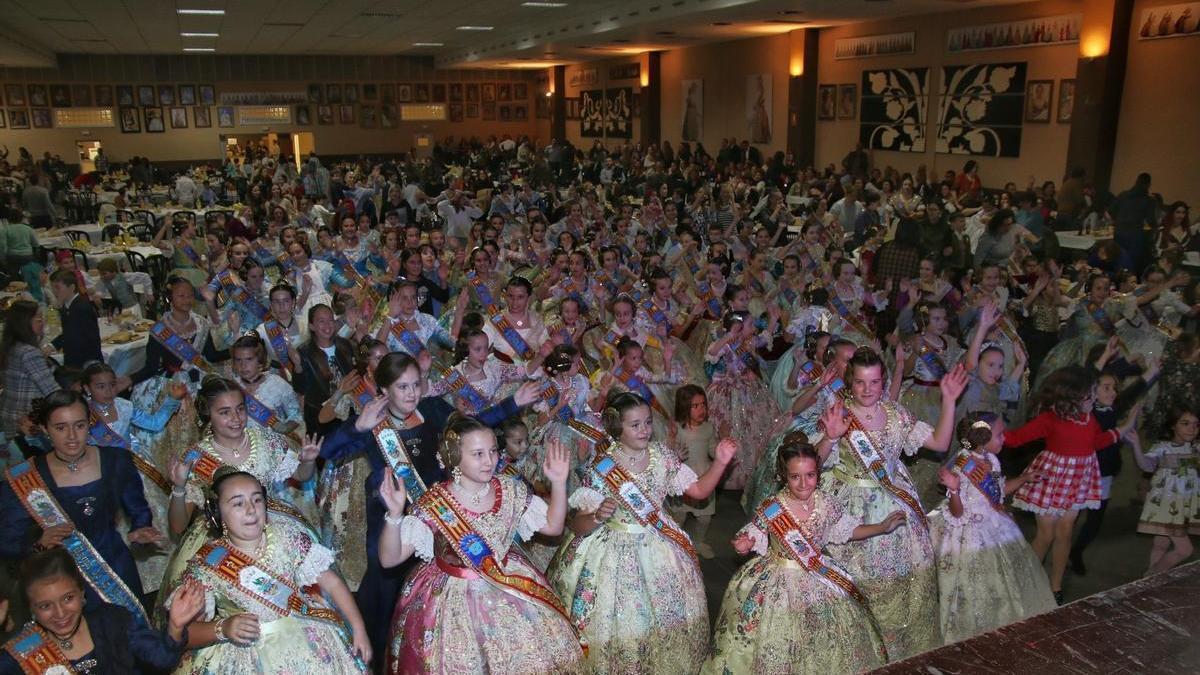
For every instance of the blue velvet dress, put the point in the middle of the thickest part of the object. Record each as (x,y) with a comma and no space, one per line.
(380,587)
(92,507)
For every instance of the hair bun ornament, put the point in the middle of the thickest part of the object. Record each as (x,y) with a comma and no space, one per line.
(981,425)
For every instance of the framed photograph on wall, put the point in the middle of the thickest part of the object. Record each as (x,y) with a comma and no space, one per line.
(19,118)
(208,94)
(153,121)
(455,92)
(826,101)
(421,92)
(303,115)
(456,112)
(179,118)
(324,115)
(387,93)
(14,94)
(124,94)
(472,92)
(315,93)
(520,112)
(370,92)
(225,117)
(847,101)
(472,111)
(489,111)
(437,93)
(128,119)
(145,95)
(504,92)
(38,95)
(488,91)
(346,113)
(166,94)
(505,113)
(1039,97)
(333,93)
(41,118)
(187,94)
(60,96)
(202,116)
(104,95)
(1066,101)
(520,91)
(81,95)
(350,91)
(404,93)
(388,116)
(369,117)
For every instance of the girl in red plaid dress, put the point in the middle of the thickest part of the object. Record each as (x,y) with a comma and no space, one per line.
(1070,474)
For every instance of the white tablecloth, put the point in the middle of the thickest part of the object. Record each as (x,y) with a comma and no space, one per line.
(1078,242)
(125,359)
(94,257)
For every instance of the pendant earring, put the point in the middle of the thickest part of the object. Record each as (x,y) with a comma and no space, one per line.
(457,474)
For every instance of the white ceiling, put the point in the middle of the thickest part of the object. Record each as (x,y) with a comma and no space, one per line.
(32,31)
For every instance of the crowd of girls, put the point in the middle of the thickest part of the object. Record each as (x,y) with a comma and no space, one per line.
(495,447)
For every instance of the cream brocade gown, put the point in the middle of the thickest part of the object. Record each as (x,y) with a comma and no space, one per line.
(988,575)
(779,618)
(896,571)
(637,597)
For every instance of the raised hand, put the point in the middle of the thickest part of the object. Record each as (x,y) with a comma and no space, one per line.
(372,414)
(527,393)
(901,353)
(424,360)
(311,448)
(725,451)
(349,382)
(954,383)
(948,478)
(393,494)
(834,421)
(179,470)
(557,466)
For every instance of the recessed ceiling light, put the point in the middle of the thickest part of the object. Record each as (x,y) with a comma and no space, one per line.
(546,5)
(475,27)
(202,12)
(200,35)
(429,44)
(199,49)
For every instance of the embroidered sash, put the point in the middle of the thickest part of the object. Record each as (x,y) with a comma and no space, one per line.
(36,653)
(789,294)
(364,393)
(605,279)
(203,464)
(933,363)
(809,372)
(99,433)
(277,337)
(267,258)
(351,273)
(710,300)
(806,261)
(659,316)
(240,294)
(394,453)
(635,384)
(549,393)
(259,412)
(780,523)
(178,347)
(29,487)
(868,455)
(505,467)
(746,352)
(407,338)
(983,478)
(839,307)
(188,251)
(474,550)
(464,390)
(636,499)
(248,577)
(497,318)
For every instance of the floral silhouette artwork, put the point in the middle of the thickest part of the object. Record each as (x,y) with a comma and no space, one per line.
(979,109)
(895,109)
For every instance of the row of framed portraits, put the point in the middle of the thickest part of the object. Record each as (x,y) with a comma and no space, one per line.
(106,95)
(840,101)
(419,92)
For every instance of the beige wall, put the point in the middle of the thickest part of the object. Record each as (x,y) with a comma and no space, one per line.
(1043,146)
(724,67)
(1160,106)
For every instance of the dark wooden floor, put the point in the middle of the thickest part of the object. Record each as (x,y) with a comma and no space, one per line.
(1148,626)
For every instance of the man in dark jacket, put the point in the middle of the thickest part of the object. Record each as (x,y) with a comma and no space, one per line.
(80,339)
(1130,211)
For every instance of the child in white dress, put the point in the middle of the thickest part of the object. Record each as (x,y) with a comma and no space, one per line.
(1172,509)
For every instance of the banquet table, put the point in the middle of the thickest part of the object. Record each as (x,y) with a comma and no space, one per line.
(97,254)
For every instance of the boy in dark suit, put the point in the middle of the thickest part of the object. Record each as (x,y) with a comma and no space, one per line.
(80,339)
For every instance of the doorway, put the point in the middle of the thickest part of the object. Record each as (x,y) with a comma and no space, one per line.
(88,150)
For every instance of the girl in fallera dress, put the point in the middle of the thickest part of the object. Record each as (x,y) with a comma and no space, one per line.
(248,363)
(1070,474)
(987,574)
(792,609)
(564,413)
(1172,509)
(479,379)
(627,573)
(629,374)
(476,604)
(863,441)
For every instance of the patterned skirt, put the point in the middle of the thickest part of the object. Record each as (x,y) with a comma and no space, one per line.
(1067,484)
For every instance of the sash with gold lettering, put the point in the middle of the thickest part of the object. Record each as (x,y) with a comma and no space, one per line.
(277,337)
(746,351)
(607,281)
(99,433)
(550,394)
(203,464)
(506,467)
(635,384)
(496,316)
(933,364)
(29,487)
(364,393)
(36,653)
(474,550)
(351,274)
(839,307)
(178,347)
(711,302)
(778,521)
(240,294)
(859,442)
(656,314)
(464,390)
(806,261)
(636,499)
(391,446)
(988,482)
(259,412)
(407,338)
(267,258)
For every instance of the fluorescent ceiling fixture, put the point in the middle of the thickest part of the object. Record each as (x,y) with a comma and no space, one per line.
(202,12)
(476,27)
(199,49)
(549,5)
(200,35)
(429,44)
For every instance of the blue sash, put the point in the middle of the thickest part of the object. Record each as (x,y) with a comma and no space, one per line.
(240,294)
(496,316)
(391,446)
(103,435)
(710,300)
(277,337)
(179,348)
(259,411)
(464,390)
(29,487)
(408,339)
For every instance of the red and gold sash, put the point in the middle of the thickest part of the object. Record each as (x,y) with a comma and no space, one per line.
(474,550)
(984,479)
(637,500)
(859,442)
(150,472)
(251,578)
(778,521)
(839,307)
(36,653)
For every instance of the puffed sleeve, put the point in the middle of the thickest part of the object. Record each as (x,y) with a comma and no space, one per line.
(841,524)
(917,433)
(679,475)
(414,531)
(585,499)
(317,560)
(534,518)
